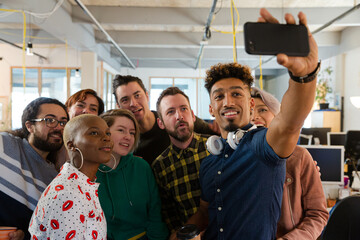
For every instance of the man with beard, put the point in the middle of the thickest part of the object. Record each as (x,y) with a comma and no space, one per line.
(242,184)
(177,168)
(27,161)
(130,93)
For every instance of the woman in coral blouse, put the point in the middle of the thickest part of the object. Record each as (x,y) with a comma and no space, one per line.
(69,208)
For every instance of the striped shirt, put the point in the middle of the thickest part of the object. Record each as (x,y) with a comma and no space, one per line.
(24,175)
(177,174)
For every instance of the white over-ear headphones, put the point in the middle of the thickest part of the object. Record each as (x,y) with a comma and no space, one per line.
(214,144)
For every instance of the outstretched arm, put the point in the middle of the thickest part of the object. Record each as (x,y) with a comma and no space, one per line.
(298,100)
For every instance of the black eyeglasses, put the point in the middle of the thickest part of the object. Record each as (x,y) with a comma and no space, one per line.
(50,122)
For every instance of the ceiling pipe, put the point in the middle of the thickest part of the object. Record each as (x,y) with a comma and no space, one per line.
(109,38)
(207,33)
(320,28)
(14,45)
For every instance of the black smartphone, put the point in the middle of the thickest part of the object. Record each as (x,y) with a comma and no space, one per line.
(271,39)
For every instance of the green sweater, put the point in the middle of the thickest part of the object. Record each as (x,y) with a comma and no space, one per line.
(130,200)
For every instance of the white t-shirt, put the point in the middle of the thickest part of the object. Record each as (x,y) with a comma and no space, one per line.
(69,208)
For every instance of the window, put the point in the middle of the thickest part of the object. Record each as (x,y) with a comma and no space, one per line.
(75,81)
(40,82)
(192,87)
(54,84)
(22,96)
(108,97)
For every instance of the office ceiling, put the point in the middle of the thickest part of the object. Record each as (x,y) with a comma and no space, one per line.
(168,34)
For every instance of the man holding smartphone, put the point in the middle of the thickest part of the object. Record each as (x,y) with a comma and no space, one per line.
(242,187)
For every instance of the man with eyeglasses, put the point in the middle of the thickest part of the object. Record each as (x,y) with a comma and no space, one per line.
(27,157)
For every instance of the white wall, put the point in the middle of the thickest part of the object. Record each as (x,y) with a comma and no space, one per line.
(351,88)
(277,86)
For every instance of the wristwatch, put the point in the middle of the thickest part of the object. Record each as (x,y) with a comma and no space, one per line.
(307,78)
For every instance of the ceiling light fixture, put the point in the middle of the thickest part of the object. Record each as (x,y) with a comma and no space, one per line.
(77,73)
(355,100)
(29,49)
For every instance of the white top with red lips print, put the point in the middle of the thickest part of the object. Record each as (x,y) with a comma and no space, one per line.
(69,208)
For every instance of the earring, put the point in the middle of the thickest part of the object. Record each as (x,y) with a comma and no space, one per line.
(82,159)
(113,168)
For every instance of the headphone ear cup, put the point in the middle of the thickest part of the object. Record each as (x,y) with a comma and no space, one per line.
(234,138)
(214,145)
(231,140)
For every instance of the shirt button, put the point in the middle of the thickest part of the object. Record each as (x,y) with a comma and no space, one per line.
(219,208)
(221,229)
(226,155)
(218,190)
(219,172)
(288,180)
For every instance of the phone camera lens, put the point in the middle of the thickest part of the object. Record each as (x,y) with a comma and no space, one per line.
(251,46)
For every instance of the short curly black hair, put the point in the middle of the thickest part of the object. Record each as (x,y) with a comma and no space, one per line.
(228,70)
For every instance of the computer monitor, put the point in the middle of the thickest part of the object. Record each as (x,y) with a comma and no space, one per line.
(336,138)
(352,145)
(317,133)
(330,159)
(305,139)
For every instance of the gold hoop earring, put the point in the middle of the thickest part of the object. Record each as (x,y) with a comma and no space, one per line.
(113,168)
(82,159)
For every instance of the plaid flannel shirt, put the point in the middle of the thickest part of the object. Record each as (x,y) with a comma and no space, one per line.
(177,174)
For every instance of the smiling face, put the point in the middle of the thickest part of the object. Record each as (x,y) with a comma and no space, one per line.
(93,138)
(230,103)
(262,116)
(89,105)
(43,137)
(132,97)
(123,135)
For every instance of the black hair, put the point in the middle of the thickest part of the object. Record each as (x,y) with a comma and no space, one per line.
(31,111)
(120,80)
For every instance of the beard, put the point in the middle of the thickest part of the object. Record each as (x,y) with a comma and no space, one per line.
(45,145)
(177,135)
(231,127)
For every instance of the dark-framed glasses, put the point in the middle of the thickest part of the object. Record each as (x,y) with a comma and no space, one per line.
(50,122)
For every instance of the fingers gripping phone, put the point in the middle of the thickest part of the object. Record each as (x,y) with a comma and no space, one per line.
(271,39)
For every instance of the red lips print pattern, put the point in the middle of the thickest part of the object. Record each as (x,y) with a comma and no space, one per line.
(70,209)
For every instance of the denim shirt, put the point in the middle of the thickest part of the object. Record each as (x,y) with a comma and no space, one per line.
(244,189)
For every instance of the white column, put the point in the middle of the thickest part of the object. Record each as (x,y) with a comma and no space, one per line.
(88,70)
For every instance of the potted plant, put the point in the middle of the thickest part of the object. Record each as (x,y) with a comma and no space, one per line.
(323,87)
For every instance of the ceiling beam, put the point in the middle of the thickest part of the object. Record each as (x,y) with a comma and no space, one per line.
(197,16)
(60,25)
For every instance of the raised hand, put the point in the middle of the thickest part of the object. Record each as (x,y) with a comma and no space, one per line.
(298,66)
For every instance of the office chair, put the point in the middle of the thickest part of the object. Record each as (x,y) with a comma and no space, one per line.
(344,221)
(352,144)
(352,155)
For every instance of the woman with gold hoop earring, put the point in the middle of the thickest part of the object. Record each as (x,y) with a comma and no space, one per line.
(128,191)
(69,208)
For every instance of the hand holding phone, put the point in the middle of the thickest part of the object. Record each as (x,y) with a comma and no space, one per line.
(272,39)
(298,66)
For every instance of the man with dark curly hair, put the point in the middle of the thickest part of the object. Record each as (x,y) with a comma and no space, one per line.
(242,180)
